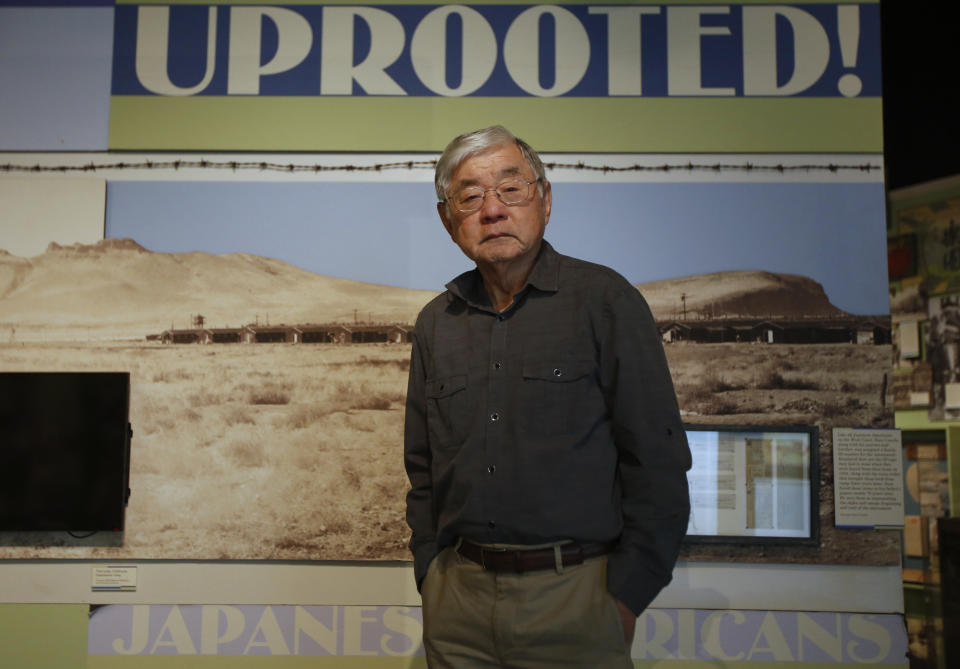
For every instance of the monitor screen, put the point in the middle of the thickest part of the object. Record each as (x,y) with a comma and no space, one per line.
(753,484)
(64,450)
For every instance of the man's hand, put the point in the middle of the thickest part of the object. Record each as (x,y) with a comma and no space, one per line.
(629,621)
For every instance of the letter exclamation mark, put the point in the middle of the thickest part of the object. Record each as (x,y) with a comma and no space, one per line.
(848,29)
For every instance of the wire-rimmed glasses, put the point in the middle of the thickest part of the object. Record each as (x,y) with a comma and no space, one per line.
(514,191)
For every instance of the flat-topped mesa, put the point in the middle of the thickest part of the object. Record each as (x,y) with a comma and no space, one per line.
(740,293)
(110,244)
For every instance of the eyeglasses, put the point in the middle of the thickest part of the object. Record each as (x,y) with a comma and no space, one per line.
(510,192)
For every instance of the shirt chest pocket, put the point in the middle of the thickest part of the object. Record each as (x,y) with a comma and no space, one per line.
(448,411)
(556,371)
(562,394)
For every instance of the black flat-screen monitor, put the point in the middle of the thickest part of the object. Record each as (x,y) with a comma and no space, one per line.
(64,450)
(754,484)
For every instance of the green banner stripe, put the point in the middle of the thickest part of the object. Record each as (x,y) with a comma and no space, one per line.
(626,125)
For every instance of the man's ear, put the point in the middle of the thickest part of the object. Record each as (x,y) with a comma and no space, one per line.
(547,202)
(442,210)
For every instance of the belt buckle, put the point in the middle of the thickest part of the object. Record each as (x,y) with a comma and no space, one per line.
(484,550)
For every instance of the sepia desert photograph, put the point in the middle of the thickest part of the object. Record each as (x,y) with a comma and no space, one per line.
(267,419)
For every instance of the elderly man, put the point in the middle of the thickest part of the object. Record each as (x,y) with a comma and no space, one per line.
(543,441)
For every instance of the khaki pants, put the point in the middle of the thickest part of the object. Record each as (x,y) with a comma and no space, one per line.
(542,619)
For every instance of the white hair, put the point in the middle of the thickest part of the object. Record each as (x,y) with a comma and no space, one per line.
(473,143)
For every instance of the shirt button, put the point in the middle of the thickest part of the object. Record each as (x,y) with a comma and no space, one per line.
(497,365)
(492,468)
(492,525)
(494,417)
(558,372)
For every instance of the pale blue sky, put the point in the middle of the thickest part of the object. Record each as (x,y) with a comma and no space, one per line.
(55,77)
(389,233)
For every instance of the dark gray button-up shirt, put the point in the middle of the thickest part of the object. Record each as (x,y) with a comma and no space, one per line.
(555,419)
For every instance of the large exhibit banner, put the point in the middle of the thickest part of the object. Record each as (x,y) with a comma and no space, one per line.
(715,77)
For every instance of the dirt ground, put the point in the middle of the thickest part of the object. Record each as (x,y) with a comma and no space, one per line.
(269,451)
(292,452)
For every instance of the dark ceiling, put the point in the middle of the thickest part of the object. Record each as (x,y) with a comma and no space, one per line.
(921,96)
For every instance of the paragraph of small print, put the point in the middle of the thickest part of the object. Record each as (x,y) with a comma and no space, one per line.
(868,477)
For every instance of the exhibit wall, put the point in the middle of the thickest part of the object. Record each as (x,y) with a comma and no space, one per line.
(234,204)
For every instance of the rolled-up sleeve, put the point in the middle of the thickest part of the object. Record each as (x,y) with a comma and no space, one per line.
(417,461)
(653,455)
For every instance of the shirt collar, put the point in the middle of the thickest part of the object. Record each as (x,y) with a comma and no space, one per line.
(545,277)
(546,270)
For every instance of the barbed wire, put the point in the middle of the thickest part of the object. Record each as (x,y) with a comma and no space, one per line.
(266,166)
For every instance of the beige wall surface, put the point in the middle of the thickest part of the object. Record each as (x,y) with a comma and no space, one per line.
(38,211)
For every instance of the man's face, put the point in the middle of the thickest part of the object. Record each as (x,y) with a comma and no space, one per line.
(497,233)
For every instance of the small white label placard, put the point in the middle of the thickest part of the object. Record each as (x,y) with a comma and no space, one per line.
(952,392)
(909,339)
(122,578)
(867,477)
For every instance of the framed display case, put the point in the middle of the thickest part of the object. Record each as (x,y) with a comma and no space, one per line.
(754,484)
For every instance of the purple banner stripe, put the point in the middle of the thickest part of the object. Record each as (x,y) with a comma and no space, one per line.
(387,631)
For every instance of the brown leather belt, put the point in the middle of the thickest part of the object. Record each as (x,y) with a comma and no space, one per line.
(517,561)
